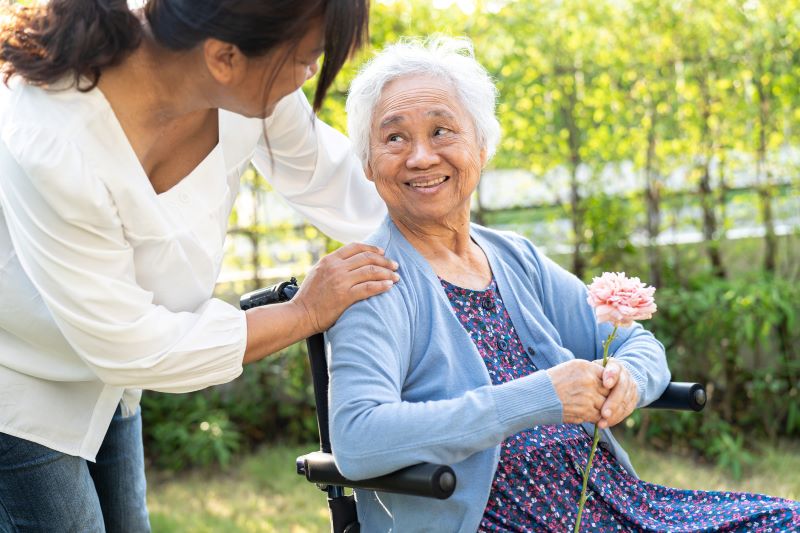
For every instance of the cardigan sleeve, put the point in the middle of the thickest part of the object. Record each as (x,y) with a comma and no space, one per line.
(71,244)
(564,299)
(374,430)
(314,168)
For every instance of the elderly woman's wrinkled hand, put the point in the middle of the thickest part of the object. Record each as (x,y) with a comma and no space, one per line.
(624,395)
(579,385)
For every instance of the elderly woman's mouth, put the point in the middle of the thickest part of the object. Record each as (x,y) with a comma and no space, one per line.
(427,183)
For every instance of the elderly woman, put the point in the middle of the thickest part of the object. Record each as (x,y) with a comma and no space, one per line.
(482,355)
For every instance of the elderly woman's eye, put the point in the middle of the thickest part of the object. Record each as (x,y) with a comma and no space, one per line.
(393,138)
(440,131)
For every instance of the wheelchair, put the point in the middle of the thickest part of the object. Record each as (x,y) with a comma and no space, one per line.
(427,480)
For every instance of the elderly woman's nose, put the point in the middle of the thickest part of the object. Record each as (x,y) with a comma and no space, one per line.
(423,155)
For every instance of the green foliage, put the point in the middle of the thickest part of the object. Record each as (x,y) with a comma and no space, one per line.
(740,339)
(272,399)
(607,230)
(709,87)
(187,430)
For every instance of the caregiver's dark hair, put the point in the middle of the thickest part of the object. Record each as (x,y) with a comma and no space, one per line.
(81,37)
(43,44)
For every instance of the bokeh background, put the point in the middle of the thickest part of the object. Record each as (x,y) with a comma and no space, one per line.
(656,137)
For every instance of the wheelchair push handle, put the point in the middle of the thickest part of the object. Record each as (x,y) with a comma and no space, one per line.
(280,292)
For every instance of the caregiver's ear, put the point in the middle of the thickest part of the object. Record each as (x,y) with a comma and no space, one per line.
(226,63)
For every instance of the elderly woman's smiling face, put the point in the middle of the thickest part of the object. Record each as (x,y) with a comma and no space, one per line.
(424,155)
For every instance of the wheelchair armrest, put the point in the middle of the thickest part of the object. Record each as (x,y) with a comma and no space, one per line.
(683,396)
(425,479)
(439,481)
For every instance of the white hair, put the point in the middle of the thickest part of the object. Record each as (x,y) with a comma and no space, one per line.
(452,59)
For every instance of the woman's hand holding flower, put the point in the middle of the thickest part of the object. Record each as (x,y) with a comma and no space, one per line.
(579,386)
(623,396)
(590,393)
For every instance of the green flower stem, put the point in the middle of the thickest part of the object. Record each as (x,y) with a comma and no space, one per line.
(595,440)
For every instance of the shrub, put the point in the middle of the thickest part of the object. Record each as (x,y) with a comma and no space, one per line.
(187,430)
(272,400)
(738,338)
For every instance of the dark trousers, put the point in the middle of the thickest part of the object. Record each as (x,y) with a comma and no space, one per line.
(45,490)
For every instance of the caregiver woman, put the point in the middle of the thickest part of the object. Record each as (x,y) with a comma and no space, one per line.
(122,139)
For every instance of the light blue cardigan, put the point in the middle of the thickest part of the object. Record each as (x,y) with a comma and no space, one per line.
(408,385)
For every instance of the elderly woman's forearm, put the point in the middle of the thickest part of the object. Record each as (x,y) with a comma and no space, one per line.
(371,440)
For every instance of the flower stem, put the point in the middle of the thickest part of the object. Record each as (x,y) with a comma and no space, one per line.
(595,440)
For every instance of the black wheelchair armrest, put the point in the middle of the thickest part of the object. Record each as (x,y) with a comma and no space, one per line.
(425,479)
(439,481)
(682,396)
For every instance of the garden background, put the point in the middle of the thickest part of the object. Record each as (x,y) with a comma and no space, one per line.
(656,137)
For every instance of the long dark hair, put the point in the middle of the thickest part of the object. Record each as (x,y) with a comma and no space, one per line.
(43,44)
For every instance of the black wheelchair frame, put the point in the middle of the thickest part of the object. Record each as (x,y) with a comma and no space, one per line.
(427,480)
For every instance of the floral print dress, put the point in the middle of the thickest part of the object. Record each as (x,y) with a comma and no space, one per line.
(540,473)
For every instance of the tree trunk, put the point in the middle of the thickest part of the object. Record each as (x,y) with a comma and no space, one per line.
(722,196)
(710,222)
(652,194)
(770,239)
(576,215)
(765,188)
(254,237)
(576,202)
(707,201)
(676,251)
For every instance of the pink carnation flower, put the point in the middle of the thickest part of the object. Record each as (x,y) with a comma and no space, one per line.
(621,300)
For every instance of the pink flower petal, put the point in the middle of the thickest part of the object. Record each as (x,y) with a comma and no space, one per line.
(621,300)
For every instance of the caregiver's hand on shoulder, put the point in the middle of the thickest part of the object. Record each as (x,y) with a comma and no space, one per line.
(623,397)
(351,273)
(579,386)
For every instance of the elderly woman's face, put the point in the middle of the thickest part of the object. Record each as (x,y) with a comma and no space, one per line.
(424,154)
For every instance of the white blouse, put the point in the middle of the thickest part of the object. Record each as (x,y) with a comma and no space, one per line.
(105,286)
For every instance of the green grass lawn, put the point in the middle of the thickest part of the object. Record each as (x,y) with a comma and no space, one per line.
(776,471)
(261,493)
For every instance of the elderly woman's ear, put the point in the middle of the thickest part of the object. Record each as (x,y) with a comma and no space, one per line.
(368,172)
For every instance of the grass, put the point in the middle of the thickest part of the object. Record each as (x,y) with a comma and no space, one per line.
(774,470)
(261,493)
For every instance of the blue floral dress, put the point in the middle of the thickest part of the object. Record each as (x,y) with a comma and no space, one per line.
(540,473)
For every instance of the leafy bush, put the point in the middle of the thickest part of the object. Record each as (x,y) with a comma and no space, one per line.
(187,430)
(740,339)
(272,399)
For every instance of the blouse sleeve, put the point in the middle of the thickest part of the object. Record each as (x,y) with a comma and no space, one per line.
(315,169)
(71,243)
